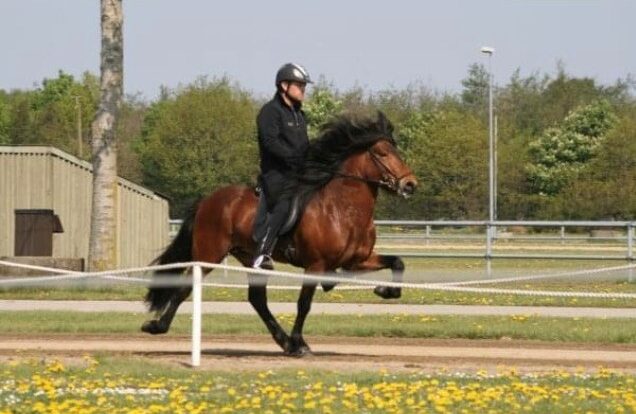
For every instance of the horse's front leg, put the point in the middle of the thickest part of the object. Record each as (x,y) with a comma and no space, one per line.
(378,262)
(298,345)
(257,295)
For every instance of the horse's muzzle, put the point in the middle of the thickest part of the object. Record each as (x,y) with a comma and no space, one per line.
(407,187)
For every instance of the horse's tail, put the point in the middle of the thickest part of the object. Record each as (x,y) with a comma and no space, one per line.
(180,250)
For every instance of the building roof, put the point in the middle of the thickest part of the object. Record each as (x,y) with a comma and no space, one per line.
(79,163)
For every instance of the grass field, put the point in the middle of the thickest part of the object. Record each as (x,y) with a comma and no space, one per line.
(116,385)
(522,327)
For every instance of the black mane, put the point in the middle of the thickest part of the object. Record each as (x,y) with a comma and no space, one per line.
(340,138)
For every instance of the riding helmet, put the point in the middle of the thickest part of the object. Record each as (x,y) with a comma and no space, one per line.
(292,72)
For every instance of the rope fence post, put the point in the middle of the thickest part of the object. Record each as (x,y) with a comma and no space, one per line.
(630,251)
(489,234)
(196,315)
(562,234)
(428,234)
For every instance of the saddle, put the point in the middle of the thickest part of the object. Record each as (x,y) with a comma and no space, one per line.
(262,217)
(260,228)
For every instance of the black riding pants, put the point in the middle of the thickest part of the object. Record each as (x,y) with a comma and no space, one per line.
(278,216)
(279,189)
(278,192)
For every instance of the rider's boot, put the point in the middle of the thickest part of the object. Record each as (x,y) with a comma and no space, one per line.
(264,252)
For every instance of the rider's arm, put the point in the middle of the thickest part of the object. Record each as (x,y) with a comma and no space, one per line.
(269,134)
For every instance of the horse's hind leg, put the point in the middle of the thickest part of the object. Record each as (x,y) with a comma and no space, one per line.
(378,262)
(164,318)
(162,324)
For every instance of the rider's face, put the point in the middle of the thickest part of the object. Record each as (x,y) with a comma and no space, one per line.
(296,90)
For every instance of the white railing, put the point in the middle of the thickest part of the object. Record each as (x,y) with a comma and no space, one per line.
(492,235)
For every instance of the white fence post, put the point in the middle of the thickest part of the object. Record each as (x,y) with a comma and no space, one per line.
(630,250)
(489,234)
(196,315)
(562,234)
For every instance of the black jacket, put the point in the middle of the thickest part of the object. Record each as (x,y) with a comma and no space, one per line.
(283,142)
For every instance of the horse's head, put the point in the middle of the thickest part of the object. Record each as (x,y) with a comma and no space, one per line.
(386,167)
(361,148)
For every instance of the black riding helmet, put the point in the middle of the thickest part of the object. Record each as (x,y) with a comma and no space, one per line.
(292,72)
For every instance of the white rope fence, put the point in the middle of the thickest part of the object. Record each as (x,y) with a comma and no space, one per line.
(196,281)
(345,282)
(585,272)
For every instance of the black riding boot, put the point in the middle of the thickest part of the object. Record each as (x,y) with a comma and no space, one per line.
(264,252)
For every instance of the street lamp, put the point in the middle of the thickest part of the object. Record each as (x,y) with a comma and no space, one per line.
(491,143)
(490,229)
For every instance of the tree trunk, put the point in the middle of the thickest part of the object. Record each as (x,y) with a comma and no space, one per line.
(103,238)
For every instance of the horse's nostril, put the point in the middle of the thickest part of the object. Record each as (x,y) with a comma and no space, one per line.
(409,187)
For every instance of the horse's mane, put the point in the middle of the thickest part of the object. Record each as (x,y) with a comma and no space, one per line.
(339,138)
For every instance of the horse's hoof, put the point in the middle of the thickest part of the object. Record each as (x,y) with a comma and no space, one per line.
(327,286)
(300,352)
(153,327)
(386,292)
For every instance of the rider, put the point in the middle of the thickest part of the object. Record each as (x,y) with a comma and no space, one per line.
(282,142)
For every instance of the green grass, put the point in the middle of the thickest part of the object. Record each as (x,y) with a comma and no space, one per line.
(124,385)
(522,327)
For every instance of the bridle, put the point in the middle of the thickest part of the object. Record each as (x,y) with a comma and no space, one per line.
(389,180)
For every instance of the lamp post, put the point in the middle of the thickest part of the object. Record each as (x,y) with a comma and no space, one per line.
(491,230)
(491,141)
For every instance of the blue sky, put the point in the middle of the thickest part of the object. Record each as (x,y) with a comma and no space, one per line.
(373,44)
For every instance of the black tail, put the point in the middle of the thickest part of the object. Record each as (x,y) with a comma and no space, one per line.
(180,250)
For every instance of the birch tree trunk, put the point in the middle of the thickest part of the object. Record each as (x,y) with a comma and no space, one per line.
(102,253)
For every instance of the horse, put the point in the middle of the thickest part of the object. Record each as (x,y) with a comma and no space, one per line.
(338,186)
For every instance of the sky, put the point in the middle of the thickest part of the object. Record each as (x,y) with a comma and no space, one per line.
(349,43)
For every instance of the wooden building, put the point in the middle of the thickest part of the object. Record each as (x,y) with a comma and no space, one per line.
(45,181)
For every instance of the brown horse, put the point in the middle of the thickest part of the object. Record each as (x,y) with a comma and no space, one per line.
(339,184)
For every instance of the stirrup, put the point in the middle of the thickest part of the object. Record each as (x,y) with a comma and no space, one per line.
(263,262)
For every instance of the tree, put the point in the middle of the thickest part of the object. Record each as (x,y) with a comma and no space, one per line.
(564,94)
(520,105)
(606,187)
(561,152)
(56,107)
(447,152)
(5,119)
(103,237)
(320,107)
(48,115)
(131,118)
(196,139)
(475,93)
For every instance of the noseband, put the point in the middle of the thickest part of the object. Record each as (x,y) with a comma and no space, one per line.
(389,180)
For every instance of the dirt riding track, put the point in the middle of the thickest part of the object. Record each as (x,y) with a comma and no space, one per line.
(332,353)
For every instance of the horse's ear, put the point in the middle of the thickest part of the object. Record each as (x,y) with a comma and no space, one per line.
(382,119)
(384,123)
